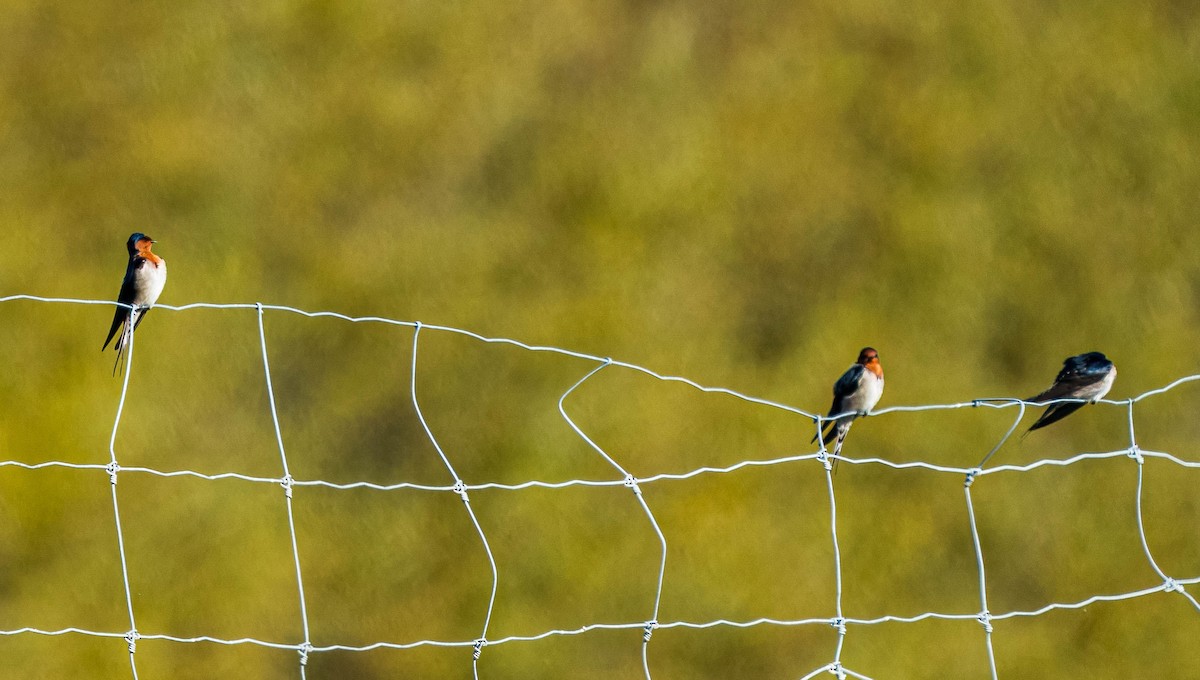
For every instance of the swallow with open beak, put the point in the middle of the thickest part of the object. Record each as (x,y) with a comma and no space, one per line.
(145,276)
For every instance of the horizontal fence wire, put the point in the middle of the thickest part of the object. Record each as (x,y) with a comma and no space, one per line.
(306,647)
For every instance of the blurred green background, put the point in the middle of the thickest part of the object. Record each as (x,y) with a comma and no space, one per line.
(744,194)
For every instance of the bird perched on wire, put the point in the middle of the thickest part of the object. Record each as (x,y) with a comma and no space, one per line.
(854,395)
(145,276)
(1085,376)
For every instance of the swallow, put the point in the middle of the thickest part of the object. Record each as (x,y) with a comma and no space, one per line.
(1085,376)
(145,276)
(854,395)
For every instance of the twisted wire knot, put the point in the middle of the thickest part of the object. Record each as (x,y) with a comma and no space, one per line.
(985,618)
(287,483)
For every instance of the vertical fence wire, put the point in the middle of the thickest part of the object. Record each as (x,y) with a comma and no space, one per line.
(287,483)
(460,488)
(114,468)
(632,483)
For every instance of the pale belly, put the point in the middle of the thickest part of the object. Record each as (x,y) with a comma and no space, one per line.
(151,278)
(865,398)
(1101,388)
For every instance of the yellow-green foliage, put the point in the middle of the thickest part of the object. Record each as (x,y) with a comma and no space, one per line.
(741,193)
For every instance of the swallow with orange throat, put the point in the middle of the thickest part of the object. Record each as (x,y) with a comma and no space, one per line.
(145,276)
(854,395)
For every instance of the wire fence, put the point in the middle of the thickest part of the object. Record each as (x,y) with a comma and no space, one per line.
(305,648)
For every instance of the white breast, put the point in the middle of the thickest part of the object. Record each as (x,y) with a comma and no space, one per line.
(869,391)
(1101,388)
(151,278)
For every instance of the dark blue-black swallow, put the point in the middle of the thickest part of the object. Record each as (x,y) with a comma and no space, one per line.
(1085,376)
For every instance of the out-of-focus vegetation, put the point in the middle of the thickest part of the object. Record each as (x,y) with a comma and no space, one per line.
(740,193)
